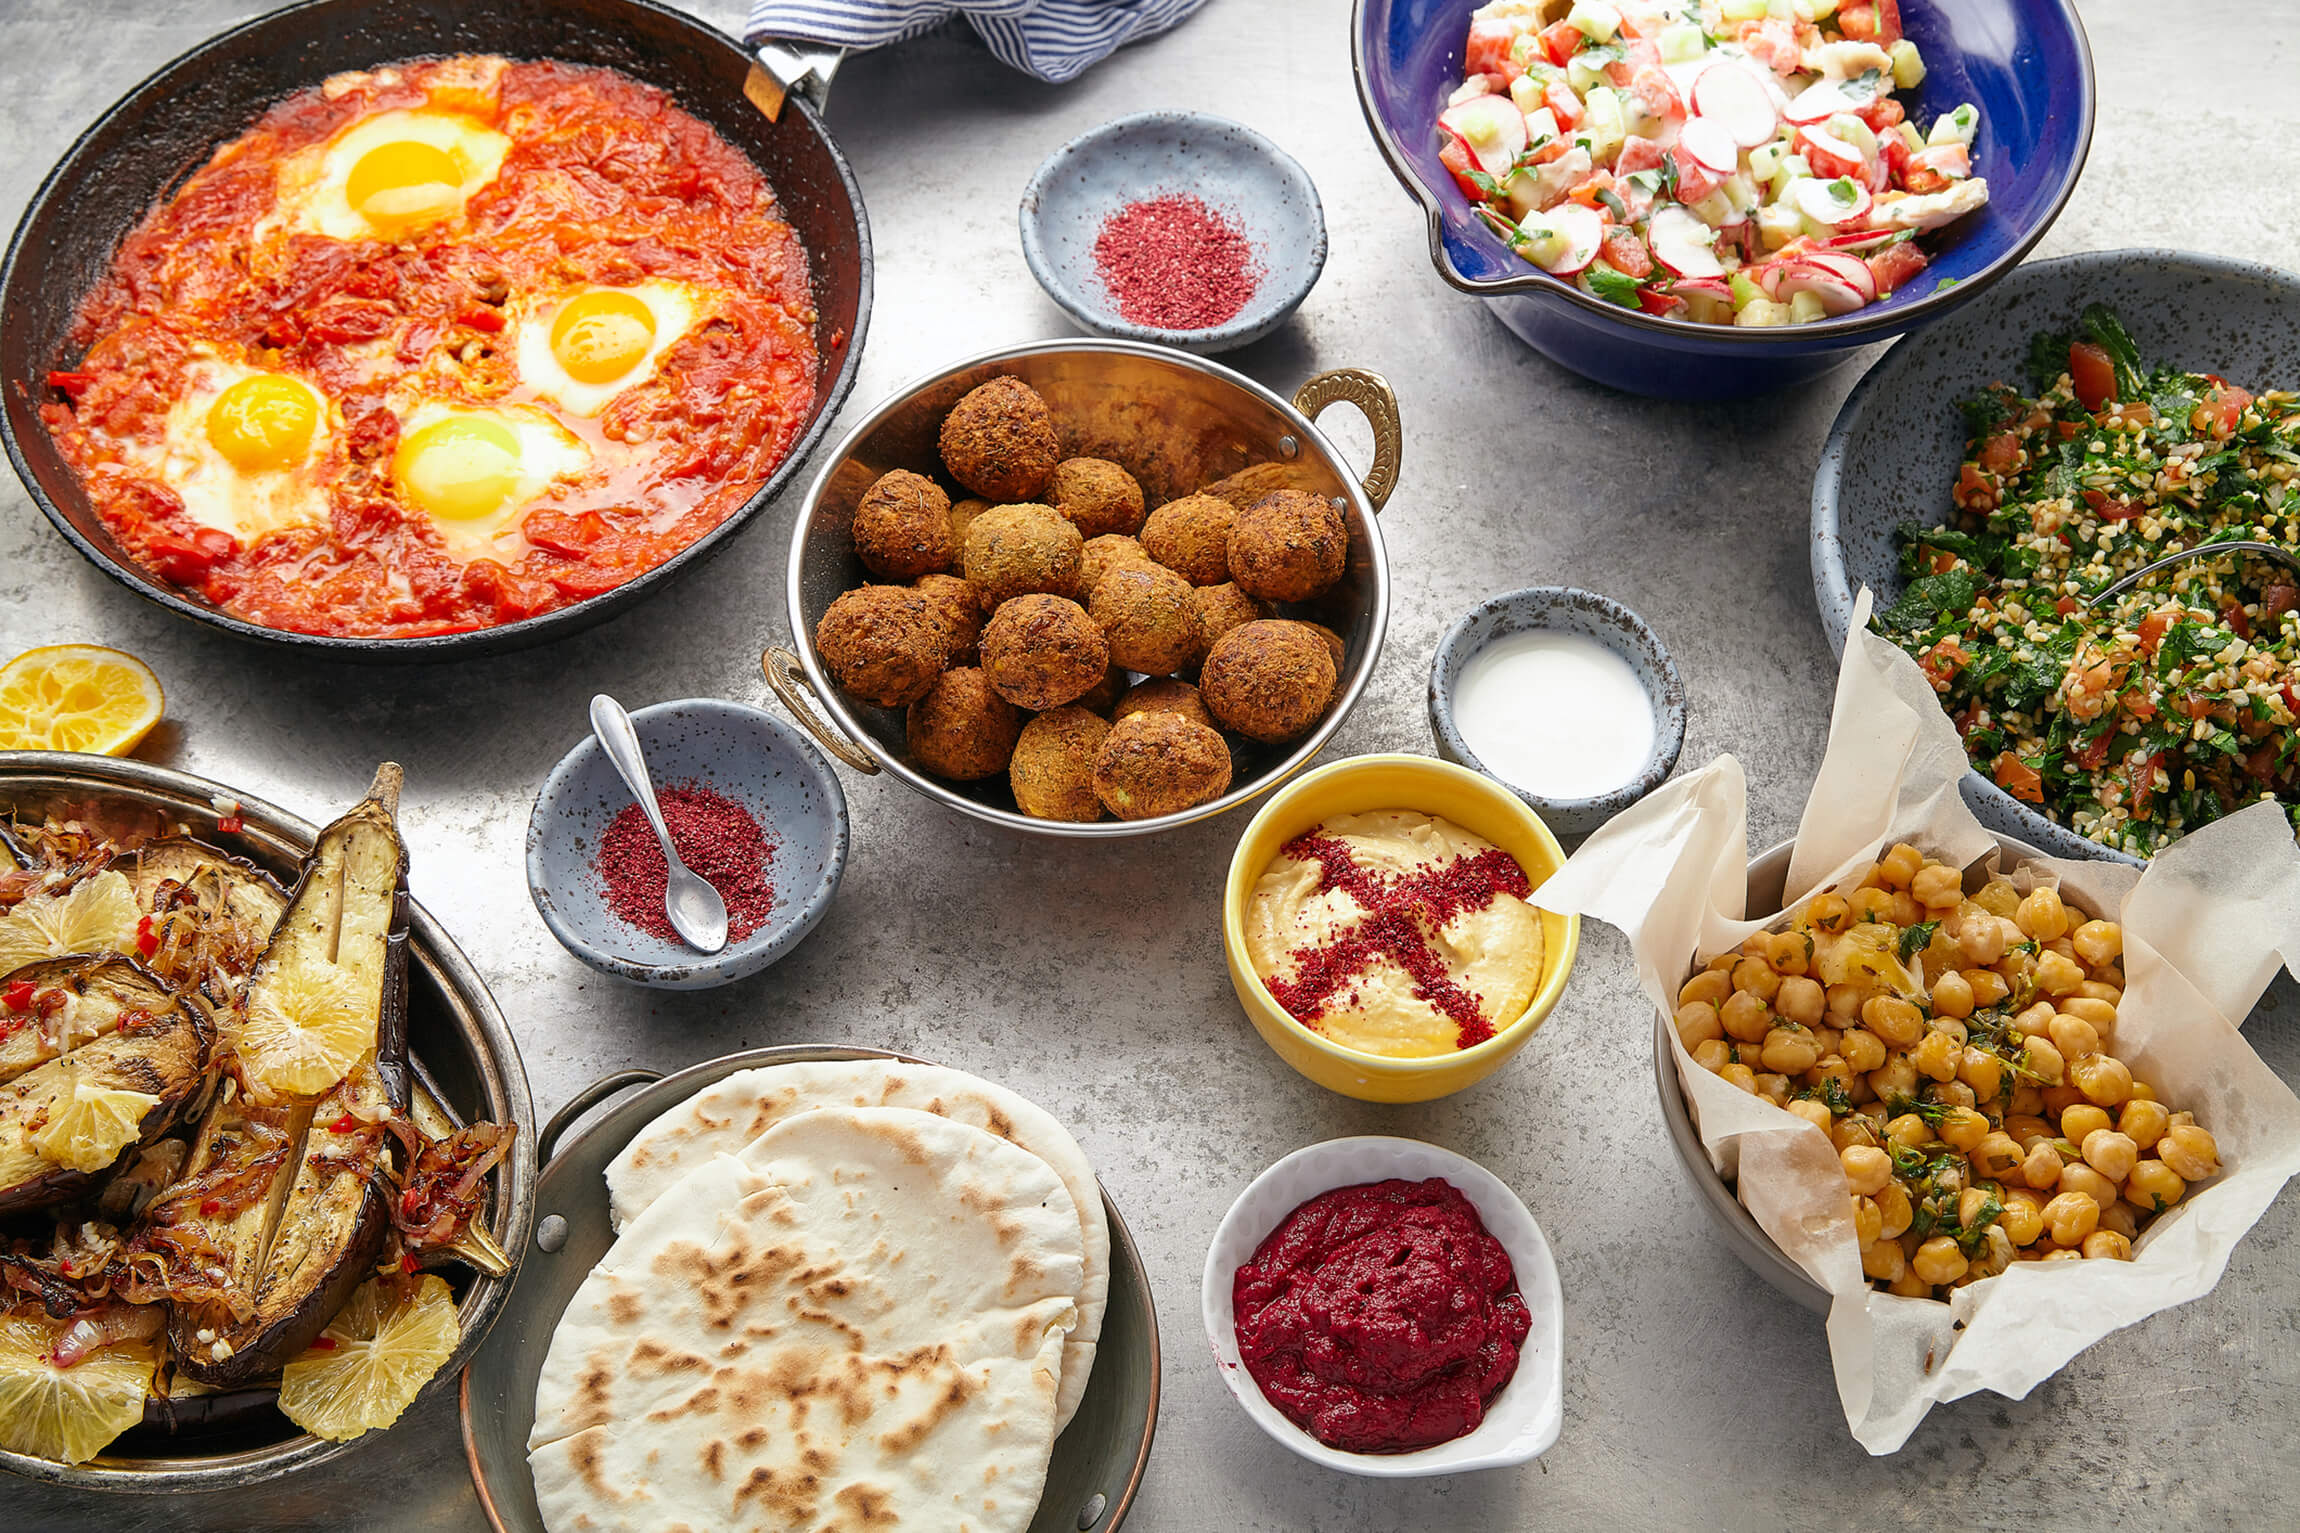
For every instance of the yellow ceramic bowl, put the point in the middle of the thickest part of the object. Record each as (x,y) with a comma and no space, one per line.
(1356,786)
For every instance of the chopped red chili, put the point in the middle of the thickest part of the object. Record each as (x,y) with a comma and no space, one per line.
(231,825)
(18,997)
(343,1125)
(323,1344)
(211,1205)
(147,936)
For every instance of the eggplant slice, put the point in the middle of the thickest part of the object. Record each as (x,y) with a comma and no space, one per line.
(165,1057)
(216,913)
(73,1002)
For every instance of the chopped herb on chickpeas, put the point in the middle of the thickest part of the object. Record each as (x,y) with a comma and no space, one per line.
(1957,1049)
(2174,704)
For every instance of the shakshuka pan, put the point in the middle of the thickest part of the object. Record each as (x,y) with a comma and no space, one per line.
(441,346)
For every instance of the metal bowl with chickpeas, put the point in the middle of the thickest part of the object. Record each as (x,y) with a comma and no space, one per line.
(1955,1036)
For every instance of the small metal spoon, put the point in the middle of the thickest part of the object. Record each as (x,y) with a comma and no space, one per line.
(697,912)
(2269,551)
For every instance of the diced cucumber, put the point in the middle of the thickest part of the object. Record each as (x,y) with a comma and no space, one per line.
(1793,167)
(1822,9)
(1602,120)
(1740,192)
(1765,160)
(1957,127)
(1910,136)
(1594,19)
(1682,43)
(1853,131)
(1764,313)
(1540,123)
(1908,65)
(1746,292)
(1744,10)
(1804,308)
(1781,10)
(1779,223)
(1525,91)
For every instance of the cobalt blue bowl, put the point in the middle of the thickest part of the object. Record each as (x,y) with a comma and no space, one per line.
(2024,63)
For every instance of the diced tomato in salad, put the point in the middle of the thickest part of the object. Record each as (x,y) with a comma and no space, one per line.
(1699,161)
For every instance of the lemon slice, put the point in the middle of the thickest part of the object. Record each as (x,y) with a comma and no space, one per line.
(304,1030)
(383,1353)
(97,915)
(77,697)
(93,1126)
(66,1414)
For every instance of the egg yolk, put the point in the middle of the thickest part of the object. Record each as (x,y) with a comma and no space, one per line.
(599,336)
(263,423)
(407,182)
(461,468)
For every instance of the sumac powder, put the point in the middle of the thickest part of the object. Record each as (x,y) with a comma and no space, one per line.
(1173,263)
(716,837)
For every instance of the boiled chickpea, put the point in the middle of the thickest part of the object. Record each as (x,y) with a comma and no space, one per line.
(2041,1169)
(1697,1023)
(1909,1286)
(1863,1050)
(1952,995)
(1981,938)
(1792,953)
(1937,1056)
(1989,987)
(2035,1020)
(1998,897)
(1898,866)
(1982,1071)
(1757,945)
(1814,1113)
(2153,1187)
(2178,1119)
(1896,1021)
(1850,1130)
(2059,1099)
(1996,1155)
(2076,1176)
(1725,963)
(1741,1076)
(1789,1051)
(2057,975)
(2040,1058)
(2103,1078)
(1756,977)
(1938,888)
(2143,1121)
(2110,1153)
(1708,988)
(1954,1094)
(1896,1077)
(1871,904)
(1845,1003)
(1774,1087)
(2023,1217)
(1745,1017)
(2070,1217)
(1868,1223)
(1825,1039)
(2080,1119)
(1802,1001)
(2098,942)
(1712,1054)
(2042,916)
(2025,1098)
(1884,1261)
(1963,1128)
(2142,1091)
(2025,1128)
(2099,1013)
(2118,1216)
(1827,912)
(1894,1208)
(2191,1152)
(1909,1131)
(1867,1169)
(2062,1254)
(1970,1202)
(1938,1261)
(2107,1245)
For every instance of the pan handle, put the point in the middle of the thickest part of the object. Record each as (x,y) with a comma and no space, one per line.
(547,1144)
(1378,403)
(780,70)
(791,685)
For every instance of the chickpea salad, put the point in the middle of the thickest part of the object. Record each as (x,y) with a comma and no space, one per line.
(1729,162)
(1959,1052)
(2173,704)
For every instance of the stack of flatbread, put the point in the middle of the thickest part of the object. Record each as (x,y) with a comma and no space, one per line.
(854,1294)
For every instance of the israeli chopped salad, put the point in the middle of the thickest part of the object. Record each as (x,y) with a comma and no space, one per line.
(1736,162)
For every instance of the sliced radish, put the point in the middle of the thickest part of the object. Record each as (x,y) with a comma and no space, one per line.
(1493,128)
(1708,300)
(1851,270)
(1684,244)
(1827,154)
(1820,101)
(1836,202)
(1564,239)
(1836,295)
(1708,141)
(1738,102)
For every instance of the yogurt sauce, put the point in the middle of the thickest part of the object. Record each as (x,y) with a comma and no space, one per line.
(1558,714)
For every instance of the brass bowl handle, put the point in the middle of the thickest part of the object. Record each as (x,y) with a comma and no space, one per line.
(791,686)
(1378,403)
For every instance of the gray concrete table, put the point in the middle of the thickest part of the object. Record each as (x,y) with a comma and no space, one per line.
(1091,976)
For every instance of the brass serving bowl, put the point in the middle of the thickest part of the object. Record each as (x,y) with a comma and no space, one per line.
(1179,424)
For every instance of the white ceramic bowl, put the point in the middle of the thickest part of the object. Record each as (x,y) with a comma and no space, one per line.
(1524,1419)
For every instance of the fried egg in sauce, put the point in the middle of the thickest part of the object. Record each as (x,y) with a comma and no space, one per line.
(388,175)
(586,348)
(472,473)
(241,449)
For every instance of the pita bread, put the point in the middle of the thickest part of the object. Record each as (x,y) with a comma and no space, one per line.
(729,1115)
(858,1324)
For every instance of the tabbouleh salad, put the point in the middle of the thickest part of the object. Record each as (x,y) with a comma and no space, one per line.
(2173,705)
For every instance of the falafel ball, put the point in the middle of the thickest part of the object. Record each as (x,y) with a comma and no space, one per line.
(1097,495)
(959,607)
(1268,680)
(1163,694)
(883,644)
(1042,651)
(1222,608)
(962,515)
(962,729)
(1288,546)
(902,526)
(1052,771)
(1016,550)
(1104,694)
(1191,537)
(1332,640)
(1112,550)
(1159,763)
(999,441)
(1145,613)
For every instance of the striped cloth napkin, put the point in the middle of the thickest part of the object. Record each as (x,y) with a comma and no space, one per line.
(1052,39)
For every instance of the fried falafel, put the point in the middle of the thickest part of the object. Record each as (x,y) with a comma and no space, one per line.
(1159,763)
(1191,537)
(1104,694)
(1269,680)
(1111,551)
(883,644)
(1017,550)
(1145,613)
(1052,770)
(902,527)
(962,729)
(1288,546)
(1042,651)
(999,441)
(1163,694)
(1097,495)
(1222,608)
(962,515)
(960,609)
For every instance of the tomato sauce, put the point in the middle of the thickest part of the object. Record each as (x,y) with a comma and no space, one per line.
(605,183)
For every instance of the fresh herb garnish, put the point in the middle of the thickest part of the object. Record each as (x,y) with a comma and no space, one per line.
(1612,286)
(1914,939)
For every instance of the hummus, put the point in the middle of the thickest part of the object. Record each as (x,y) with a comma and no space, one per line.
(1396,933)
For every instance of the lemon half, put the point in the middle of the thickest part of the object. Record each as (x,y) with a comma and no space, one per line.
(77,697)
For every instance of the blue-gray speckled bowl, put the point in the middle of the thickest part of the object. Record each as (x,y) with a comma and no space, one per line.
(741,752)
(1227,165)
(1893,453)
(1569,610)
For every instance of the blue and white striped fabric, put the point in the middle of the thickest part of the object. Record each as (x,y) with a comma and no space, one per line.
(1052,39)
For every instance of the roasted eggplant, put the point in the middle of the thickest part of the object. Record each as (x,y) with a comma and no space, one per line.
(69,1002)
(213,913)
(164,1058)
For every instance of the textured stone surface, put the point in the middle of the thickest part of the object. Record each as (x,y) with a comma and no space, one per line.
(1091,977)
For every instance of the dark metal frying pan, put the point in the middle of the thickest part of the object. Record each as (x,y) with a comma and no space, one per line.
(137,153)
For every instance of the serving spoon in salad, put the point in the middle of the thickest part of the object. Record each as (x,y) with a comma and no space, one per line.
(2268,551)
(698,913)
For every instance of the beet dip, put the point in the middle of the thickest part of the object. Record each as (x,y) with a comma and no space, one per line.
(1381,1318)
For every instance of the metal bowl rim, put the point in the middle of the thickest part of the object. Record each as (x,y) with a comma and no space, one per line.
(833,701)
